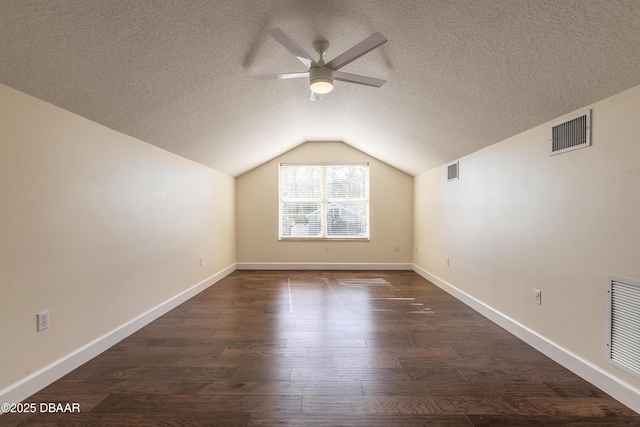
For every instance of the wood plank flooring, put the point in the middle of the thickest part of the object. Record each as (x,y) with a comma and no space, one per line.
(319,348)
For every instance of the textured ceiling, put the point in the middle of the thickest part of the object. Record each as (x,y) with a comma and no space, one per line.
(462,74)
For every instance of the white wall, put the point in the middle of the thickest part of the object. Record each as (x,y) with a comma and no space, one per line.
(96,227)
(519,219)
(391,211)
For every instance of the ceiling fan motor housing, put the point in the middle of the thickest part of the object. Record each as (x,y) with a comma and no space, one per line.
(321,79)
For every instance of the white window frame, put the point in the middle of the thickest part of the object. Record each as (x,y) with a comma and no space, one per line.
(324,201)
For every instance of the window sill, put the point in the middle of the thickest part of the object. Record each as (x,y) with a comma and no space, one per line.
(324,239)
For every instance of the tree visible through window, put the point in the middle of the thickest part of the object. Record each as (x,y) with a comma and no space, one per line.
(324,201)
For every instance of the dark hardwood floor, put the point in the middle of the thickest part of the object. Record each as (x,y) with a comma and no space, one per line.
(320,348)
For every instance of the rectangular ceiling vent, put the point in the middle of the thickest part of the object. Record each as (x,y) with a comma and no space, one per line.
(571,133)
(623,324)
(452,171)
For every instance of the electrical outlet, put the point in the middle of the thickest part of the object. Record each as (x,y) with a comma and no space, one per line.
(537,296)
(43,320)
(326,248)
(200,260)
(397,248)
(446,261)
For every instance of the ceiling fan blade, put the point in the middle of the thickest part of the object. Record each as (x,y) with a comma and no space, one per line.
(281,76)
(357,51)
(316,96)
(293,47)
(355,78)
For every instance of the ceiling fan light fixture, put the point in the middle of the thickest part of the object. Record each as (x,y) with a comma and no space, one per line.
(321,86)
(321,80)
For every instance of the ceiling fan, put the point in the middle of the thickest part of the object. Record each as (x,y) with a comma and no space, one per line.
(321,75)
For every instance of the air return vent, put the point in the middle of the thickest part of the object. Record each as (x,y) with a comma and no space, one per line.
(452,171)
(571,133)
(623,324)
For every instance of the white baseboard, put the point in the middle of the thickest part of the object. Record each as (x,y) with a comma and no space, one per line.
(620,390)
(322,266)
(38,380)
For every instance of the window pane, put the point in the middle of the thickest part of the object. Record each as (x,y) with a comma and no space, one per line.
(346,182)
(301,181)
(347,219)
(301,219)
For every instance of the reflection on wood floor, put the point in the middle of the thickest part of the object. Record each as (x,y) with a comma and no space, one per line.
(319,348)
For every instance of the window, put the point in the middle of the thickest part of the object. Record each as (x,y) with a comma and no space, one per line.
(324,201)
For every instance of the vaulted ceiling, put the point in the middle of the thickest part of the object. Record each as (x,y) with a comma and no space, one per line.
(462,74)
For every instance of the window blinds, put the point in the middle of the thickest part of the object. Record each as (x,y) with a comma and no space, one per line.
(324,201)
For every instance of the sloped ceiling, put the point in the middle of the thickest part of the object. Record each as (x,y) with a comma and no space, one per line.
(462,74)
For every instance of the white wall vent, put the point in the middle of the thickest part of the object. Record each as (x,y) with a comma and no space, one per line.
(571,133)
(452,171)
(623,324)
